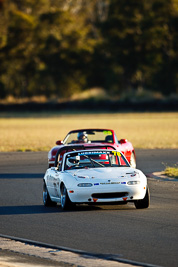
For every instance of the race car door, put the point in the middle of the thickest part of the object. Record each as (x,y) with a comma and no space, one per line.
(53,183)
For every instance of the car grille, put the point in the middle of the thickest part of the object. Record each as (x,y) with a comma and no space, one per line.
(109,195)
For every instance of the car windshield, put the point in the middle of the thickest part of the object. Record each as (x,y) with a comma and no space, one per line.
(95,159)
(89,136)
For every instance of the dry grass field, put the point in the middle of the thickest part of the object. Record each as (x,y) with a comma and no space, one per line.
(39,132)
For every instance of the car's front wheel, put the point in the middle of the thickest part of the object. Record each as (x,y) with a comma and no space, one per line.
(65,201)
(143,203)
(46,197)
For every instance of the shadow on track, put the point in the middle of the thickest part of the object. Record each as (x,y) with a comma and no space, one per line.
(40,209)
(21,175)
(93,208)
(33,209)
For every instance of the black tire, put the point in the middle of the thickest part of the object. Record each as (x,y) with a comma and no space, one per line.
(46,198)
(65,201)
(143,203)
(133,160)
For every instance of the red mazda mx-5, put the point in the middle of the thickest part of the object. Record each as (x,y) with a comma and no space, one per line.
(90,138)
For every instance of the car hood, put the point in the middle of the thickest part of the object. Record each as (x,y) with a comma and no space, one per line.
(105,173)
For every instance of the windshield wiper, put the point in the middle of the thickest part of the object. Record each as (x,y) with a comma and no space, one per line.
(94,161)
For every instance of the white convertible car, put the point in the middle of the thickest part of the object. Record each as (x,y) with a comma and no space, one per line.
(96,176)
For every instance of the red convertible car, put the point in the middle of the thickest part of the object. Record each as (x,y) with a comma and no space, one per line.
(90,138)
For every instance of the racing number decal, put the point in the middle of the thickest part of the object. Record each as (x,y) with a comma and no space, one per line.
(107,132)
(116,153)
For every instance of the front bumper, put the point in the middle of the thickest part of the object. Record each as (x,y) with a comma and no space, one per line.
(112,194)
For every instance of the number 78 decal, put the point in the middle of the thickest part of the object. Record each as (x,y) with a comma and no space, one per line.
(116,153)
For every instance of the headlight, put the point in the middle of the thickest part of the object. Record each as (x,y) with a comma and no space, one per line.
(85,185)
(133,182)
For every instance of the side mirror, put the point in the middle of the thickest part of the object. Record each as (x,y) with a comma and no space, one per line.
(123,141)
(59,142)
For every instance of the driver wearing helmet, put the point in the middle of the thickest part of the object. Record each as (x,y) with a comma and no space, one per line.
(82,137)
(73,162)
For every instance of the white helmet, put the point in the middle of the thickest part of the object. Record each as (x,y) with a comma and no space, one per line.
(73,161)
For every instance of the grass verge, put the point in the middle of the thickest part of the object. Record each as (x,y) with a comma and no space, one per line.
(38,132)
(172,171)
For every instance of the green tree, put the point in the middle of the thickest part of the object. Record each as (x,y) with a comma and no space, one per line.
(46,51)
(139,46)
(59,47)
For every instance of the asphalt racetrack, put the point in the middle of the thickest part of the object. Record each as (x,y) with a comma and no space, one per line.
(148,236)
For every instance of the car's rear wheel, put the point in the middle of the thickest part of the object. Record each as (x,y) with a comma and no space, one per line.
(143,203)
(46,197)
(133,160)
(65,201)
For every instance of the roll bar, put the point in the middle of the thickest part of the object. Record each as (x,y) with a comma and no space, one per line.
(79,147)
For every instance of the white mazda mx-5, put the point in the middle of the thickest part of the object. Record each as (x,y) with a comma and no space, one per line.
(95,176)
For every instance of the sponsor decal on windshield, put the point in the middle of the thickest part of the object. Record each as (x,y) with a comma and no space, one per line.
(92,153)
